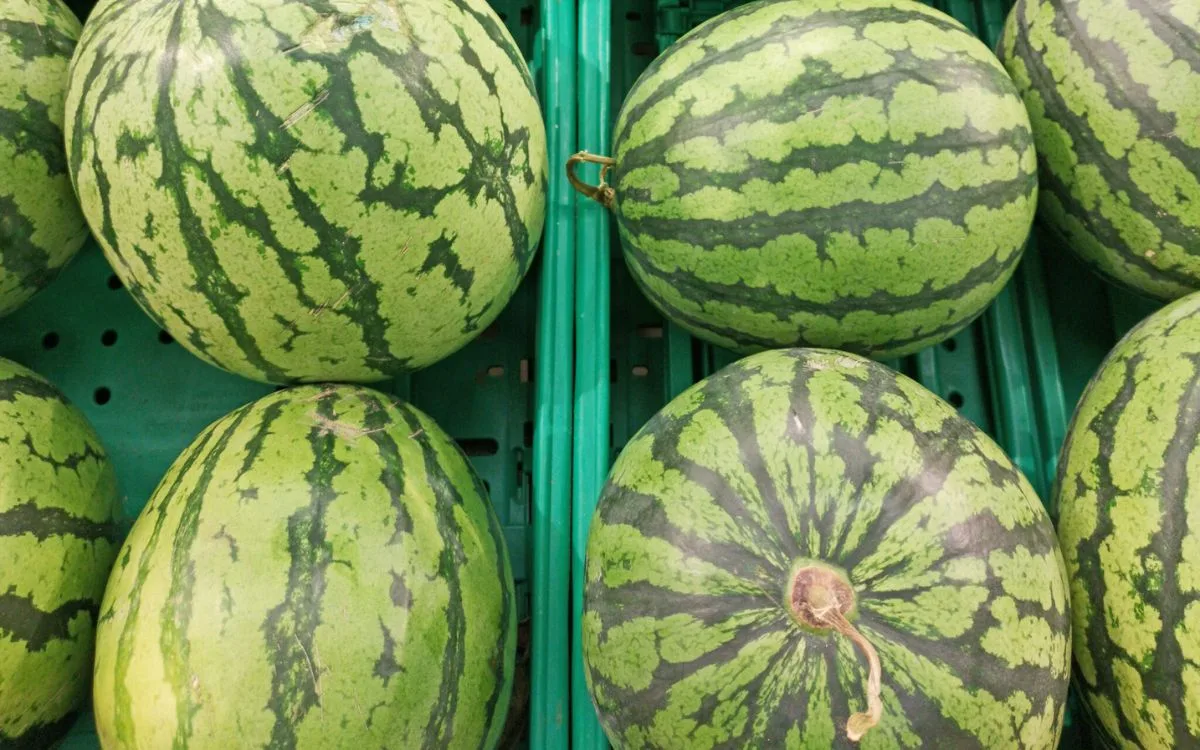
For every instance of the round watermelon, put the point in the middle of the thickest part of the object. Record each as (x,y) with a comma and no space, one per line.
(41,227)
(808,550)
(857,175)
(319,569)
(58,538)
(1112,94)
(1127,490)
(306,190)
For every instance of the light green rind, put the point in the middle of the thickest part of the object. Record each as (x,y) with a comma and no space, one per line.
(308,191)
(319,569)
(58,497)
(1129,496)
(41,226)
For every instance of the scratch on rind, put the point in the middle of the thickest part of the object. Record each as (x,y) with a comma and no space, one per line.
(305,110)
(327,426)
(313,672)
(319,310)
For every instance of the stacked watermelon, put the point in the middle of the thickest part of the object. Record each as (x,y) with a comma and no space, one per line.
(41,227)
(814,172)
(58,499)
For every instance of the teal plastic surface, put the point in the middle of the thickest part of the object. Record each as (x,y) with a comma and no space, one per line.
(1003,372)
(507,397)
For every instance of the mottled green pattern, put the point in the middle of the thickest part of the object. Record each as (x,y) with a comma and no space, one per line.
(814,454)
(58,497)
(41,227)
(1129,496)
(310,190)
(319,569)
(1113,92)
(857,174)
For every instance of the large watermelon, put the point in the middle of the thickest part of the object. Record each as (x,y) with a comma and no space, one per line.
(807,550)
(1113,91)
(41,227)
(1129,525)
(858,175)
(302,190)
(319,569)
(58,497)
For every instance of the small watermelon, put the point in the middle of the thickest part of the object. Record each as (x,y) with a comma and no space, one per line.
(41,227)
(1127,490)
(856,175)
(58,538)
(319,569)
(1113,91)
(310,190)
(808,550)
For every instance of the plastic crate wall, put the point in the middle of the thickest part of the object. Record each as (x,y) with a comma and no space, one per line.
(506,397)
(1003,372)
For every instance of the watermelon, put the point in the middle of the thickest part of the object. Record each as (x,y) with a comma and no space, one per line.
(1126,493)
(58,539)
(41,226)
(310,190)
(858,176)
(1111,89)
(809,550)
(319,569)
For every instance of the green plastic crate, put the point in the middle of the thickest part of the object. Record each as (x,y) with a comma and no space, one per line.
(506,397)
(1016,372)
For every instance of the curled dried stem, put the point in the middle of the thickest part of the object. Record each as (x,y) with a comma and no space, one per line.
(602,193)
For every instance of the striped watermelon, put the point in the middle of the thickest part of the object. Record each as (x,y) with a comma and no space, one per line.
(807,549)
(1113,91)
(41,227)
(319,569)
(58,538)
(1128,494)
(857,174)
(302,190)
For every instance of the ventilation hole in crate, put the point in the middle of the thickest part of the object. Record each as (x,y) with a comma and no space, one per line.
(495,371)
(478,446)
(50,340)
(528,435)
(640,371)
(102,396)
(108,338)
(633,15)
(524,371)
(645,49)
(527,15)
(956,399)
(114,282)
(612,370)
(949,345)
(165,338)
(648,331)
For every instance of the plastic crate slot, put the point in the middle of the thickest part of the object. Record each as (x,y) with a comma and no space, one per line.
(640,371)
(50,340)
(645,49)
(633,15)
(650,331)
(108,338)
(495,371)
(525,371)
(478,446)
(102,396)
(527,15)
(956,399)
(527,434)
(114,282)
(612,370)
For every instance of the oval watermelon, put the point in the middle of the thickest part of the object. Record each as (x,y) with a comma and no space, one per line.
(853,175)
(806,550)
(1126,491)
(310,190)
(1112,94)
(41,227)
(319,569)
(58,538)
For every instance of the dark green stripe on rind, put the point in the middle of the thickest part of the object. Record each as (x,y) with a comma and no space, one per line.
(58,537)
(319,567)
(809,454)
(41,227)
(1118,138)
(852,175)
(1127,517)
(364,199)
